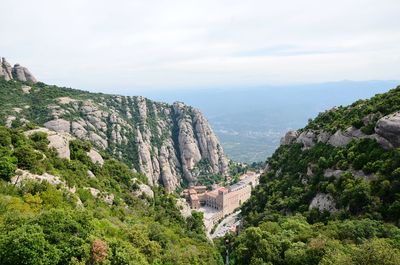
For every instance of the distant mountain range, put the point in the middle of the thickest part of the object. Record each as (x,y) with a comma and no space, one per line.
(251,121)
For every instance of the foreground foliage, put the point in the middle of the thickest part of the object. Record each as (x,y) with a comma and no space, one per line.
(46,224)
(292,241)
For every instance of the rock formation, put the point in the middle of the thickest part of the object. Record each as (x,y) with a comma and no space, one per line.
(17,72)
(170,144)
(387,134)
(323,202)
(289,137)
(197,141)
(389,128)
(168,140)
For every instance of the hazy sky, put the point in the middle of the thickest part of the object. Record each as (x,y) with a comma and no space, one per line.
(115,45)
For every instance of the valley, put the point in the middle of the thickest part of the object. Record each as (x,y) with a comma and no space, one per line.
(91,178)
(245,118)
(212,132)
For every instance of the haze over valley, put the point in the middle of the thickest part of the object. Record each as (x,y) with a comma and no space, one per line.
(251,121)
(212,132)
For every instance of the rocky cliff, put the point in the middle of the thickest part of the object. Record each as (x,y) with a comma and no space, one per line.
(163,141)
(17,72)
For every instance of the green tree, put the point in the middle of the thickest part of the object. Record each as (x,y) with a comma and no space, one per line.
(27,157)
(26,245)
(7,167)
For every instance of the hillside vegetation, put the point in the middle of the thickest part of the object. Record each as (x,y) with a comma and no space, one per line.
(324,202)
(43,223)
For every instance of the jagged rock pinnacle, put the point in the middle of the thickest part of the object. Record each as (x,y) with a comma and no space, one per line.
(17,72)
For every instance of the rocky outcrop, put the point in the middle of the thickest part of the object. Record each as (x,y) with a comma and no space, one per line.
(339,138)
(23,74)
(389,128)
(307,138)
(343,138)
(17,72)
(5,70)
(59,125)
(146,190)
(289,137)
(57,140)
(387,135)
(106,197)
(170,144)
(197,142)
(23,175)
(184,207)
(336,173)
(95,157)
(323,202)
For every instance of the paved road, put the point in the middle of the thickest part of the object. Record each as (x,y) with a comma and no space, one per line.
(225,225)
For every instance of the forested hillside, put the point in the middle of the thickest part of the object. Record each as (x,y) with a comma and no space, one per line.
(79,211)
(330,193)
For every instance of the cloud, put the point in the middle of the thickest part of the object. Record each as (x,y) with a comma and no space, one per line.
(121,45)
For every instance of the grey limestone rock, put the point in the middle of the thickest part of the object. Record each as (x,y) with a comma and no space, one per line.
(59,125)
(95,157)
(323,202)
(5,70)
(289,137)
(307,138)
(389,128)
(21,73)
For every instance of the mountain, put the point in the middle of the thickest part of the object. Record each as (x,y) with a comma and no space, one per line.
(69,193)
(172,144)
(330,193)
(245,118)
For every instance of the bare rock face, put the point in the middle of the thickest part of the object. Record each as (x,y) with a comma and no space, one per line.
(336,173)
(343,138)
(389,128)
(146,190)
(167,158)
(95,157)
(22,175)
(387,135)
(58,140)
(97,140)
(184,207)
(323,202)
(17,72)
(323,137)
(197,141)
(307,138)
(26,89)
(59,125)
(5,70)
(61,144)
(289,137)
(339,138)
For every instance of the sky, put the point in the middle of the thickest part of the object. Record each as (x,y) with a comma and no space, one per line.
(125,45)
